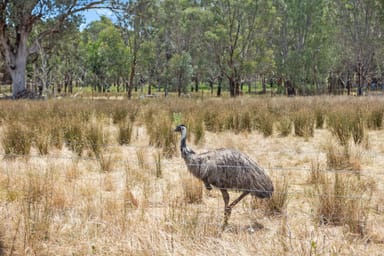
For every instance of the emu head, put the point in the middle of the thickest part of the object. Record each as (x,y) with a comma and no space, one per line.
(182,129)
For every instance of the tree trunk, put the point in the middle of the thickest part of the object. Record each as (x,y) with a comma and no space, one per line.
(232,87)
(196,84)
(18,75)
(131,76)
(264,86)
(149,89)
(219,81)
(18,67)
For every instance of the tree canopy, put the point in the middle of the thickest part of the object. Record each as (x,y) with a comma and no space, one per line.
(184,44)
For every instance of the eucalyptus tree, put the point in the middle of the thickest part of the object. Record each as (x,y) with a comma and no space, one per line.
(107,55)
(134,17)
(57,63)
(237,32)
(303,43)
(17,19)
(362,35)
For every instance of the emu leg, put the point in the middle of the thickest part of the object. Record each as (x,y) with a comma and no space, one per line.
(238,199)
(227,210)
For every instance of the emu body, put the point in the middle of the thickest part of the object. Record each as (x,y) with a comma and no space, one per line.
(226,169)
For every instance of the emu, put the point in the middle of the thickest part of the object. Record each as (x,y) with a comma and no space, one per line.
(226,169)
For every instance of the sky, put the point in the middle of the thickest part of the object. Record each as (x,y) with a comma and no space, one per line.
(95,14)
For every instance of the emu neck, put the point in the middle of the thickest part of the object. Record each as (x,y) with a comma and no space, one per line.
(185,151)
(183,143)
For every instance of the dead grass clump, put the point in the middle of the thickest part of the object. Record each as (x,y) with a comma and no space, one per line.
(124,133)
(344,200)
(284,126)
(56,133)
(375,118)
(345,124)
(37,207)
(41,137)
(161,135)
(193,190)
(94,138)
(263,122)
(16,139)
(212,121)
(74,137)
(119,114)
(316,173)
(106,162)
(342,158)
(198,131)
(303,122)
(277,204)
(319,117)
(140,155)
(158,165)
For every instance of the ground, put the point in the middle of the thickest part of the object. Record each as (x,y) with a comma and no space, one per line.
(63,204)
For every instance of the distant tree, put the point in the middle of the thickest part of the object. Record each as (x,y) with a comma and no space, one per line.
(236,35)
(181,70)
(303,42)
(360,30)
(108,57)
(17,19)
(134,17)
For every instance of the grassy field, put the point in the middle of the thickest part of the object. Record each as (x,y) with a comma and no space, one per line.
(104,177)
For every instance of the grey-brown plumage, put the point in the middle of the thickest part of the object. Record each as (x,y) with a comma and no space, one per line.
(226,169)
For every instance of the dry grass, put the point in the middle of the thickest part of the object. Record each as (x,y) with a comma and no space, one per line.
(144,202)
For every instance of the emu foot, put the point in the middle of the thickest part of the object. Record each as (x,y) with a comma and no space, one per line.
(227,214)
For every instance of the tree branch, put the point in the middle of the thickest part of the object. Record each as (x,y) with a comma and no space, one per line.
(71,10)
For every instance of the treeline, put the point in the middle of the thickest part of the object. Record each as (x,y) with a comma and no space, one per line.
(243,46)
